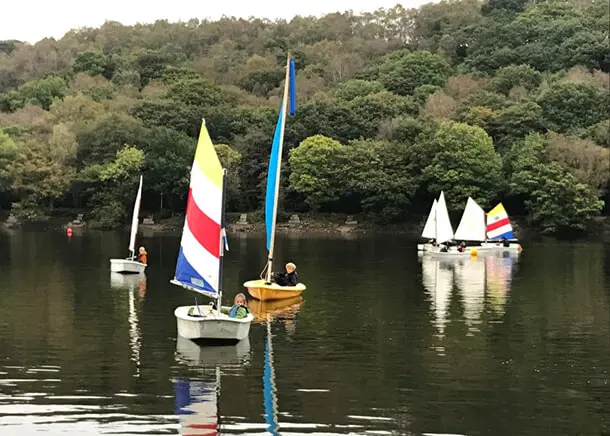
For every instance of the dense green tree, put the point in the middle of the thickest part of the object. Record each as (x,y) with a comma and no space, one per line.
(461,161)
(93,63)
(167,160)
(101,140)
(8,152)
(315,171)
(403,72)
(556,201)
(561,204)
(377,173)
(566,106)
(357,88)
(515,75)
(40,177)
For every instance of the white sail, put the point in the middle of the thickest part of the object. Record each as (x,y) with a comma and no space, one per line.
(134,221)
(430,227)
(472,227)
(444,231)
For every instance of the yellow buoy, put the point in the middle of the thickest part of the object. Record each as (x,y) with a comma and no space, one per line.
(473,252)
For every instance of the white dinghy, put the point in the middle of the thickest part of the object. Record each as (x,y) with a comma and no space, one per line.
(200,260)
(130,265)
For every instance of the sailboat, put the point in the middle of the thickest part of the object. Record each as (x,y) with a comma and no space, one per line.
(500,234)
(264,289)
(130,265)
(200,260)
(429,231)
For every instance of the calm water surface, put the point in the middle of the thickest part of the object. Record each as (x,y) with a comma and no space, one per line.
(383,342)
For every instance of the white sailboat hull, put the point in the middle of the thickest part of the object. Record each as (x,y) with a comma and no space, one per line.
(453,252)
(127,266)
(212,325)
(498,246)
(424,247)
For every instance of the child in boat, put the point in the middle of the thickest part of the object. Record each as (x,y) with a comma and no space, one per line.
(288,278)
(142,256)
(239,309)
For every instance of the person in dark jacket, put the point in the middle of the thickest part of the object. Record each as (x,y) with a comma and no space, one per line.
(288,278)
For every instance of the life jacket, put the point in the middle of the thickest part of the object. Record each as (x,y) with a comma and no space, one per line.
(235,308)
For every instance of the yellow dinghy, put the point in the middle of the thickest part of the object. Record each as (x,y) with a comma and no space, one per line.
(264,289)
(265,292)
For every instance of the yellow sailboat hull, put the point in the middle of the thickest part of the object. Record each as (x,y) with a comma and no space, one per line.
(264,292)
(286,308)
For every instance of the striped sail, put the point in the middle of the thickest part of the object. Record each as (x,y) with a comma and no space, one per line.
(198,266)
(498,224)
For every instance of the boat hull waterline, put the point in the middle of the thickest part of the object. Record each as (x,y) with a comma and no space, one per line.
(127,266)
(484,247)
(261,291)
(212,325)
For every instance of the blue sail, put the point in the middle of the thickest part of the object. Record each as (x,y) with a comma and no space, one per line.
(272,176)
(275,158)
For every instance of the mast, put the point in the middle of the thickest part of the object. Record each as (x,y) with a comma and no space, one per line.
(278,172)
(222,237)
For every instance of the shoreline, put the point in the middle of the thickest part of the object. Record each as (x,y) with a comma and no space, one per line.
(317,225)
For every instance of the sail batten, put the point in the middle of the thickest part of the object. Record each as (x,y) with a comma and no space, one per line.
(472,225)
(199,258)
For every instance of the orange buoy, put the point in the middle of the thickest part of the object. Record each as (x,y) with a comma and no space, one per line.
(69,232)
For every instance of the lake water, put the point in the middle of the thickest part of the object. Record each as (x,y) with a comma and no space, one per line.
(383,342)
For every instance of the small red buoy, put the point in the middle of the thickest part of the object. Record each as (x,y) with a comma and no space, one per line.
(69,232)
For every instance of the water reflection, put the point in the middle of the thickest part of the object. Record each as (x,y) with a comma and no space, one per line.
(197,398)
(131,282)
(269,389)
(477,280)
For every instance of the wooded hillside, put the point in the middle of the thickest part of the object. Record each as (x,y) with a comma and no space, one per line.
(505,100)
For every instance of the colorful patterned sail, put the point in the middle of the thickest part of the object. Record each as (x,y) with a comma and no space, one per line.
(198,266)
(498,224)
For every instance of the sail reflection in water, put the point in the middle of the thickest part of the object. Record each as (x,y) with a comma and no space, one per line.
(132,282)
(197,399)
(477,279)
(437,277)
(269,391)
